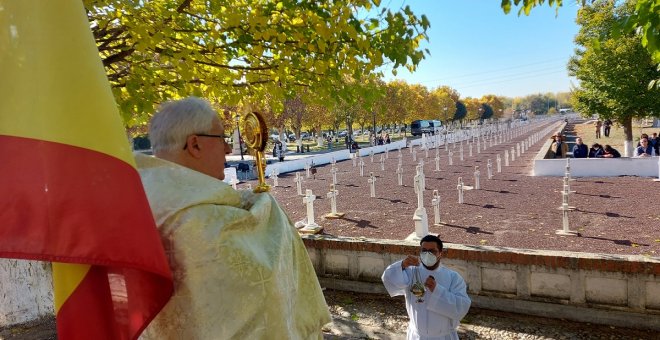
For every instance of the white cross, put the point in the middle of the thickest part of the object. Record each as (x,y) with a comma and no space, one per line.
(371,154)
(399,172)
(450,160)
(469,150)
(233,181)
(477,174)
(298,181)
(489,167)
(309,201)
(307,168)
(513,154)
(372,184)
(332,195)
(459,187)
(435,202)
(506,157)
(419,190)
(499,163)
(414,155)
(437,163)
(382,163)
(273,175)
(333,170)
(361,167)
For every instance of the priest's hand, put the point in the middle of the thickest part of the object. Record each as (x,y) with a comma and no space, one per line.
(430,283)
(410,261)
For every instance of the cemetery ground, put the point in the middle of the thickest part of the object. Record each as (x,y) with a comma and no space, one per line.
(613,215)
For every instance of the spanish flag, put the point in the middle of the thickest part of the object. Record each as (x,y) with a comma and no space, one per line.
(69,189)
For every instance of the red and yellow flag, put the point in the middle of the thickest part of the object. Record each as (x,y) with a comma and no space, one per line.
(69,189)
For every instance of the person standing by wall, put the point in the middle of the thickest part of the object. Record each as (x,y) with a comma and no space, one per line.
(559,148)
(607,126)
(599,125)
(438,313)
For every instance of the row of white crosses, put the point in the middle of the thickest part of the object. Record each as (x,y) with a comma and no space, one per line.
(420,217)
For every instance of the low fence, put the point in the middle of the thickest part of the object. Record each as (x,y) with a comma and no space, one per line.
(613,290)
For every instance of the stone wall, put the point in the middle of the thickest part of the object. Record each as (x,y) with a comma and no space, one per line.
(608,289)
(25,291)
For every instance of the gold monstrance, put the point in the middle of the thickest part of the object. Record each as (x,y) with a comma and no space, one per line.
(255,136)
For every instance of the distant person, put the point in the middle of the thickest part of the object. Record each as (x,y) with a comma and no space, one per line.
(644,149)
(387,138)
(596,151)
(279,151)
(654,142)
(610,152)
(355,146)
(580,150)
(559,148)
(607,125)
(445,301)
(642,136)
(599,125)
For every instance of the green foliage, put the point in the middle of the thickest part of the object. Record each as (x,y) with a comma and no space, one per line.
(461,111)
(246,52)
(486,111)
(614,73)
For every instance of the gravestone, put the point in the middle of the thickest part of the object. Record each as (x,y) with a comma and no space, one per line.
(298,181)
(399,173)
(332,195)
(372,185)
(489,167)
(499,163)
(506,157)
(414,155)
(565,208)
(333,171)
(371,155)
(478,145)
(234,181)
(361,167)
(513,154)
(437,163)
(518,149)
(477,175)
(420,217)
(450,159)
(310,226)
(435,202)
(273,175)
(460,153)
(308,167)
(382,163)
(459,187)
(470,149)
(354,159)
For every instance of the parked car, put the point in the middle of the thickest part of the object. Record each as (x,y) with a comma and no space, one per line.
(418,127)
(342,134)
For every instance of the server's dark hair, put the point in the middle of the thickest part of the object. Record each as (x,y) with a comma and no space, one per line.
(432,238)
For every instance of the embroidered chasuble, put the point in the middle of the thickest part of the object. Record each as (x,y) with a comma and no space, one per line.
(240,269)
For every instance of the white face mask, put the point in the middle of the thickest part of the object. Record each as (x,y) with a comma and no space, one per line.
(428,259)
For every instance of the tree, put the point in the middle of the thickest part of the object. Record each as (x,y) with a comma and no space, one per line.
(444,96)
(495,103)
(643,17)
(486,111)
(614,72)
(461,111)
(237,50)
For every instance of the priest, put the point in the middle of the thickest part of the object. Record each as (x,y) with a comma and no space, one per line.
(241,271)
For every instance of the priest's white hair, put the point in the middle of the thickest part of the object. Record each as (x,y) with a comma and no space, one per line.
(176,120)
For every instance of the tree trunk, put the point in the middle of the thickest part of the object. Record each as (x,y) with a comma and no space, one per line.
(626,122)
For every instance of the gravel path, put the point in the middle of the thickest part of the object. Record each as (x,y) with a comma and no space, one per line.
(367,316)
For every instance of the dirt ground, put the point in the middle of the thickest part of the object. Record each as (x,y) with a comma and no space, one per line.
(614,215)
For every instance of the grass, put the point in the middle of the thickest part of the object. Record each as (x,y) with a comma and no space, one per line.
(587,131)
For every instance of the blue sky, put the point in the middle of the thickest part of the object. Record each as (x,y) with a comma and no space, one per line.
(477,49)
